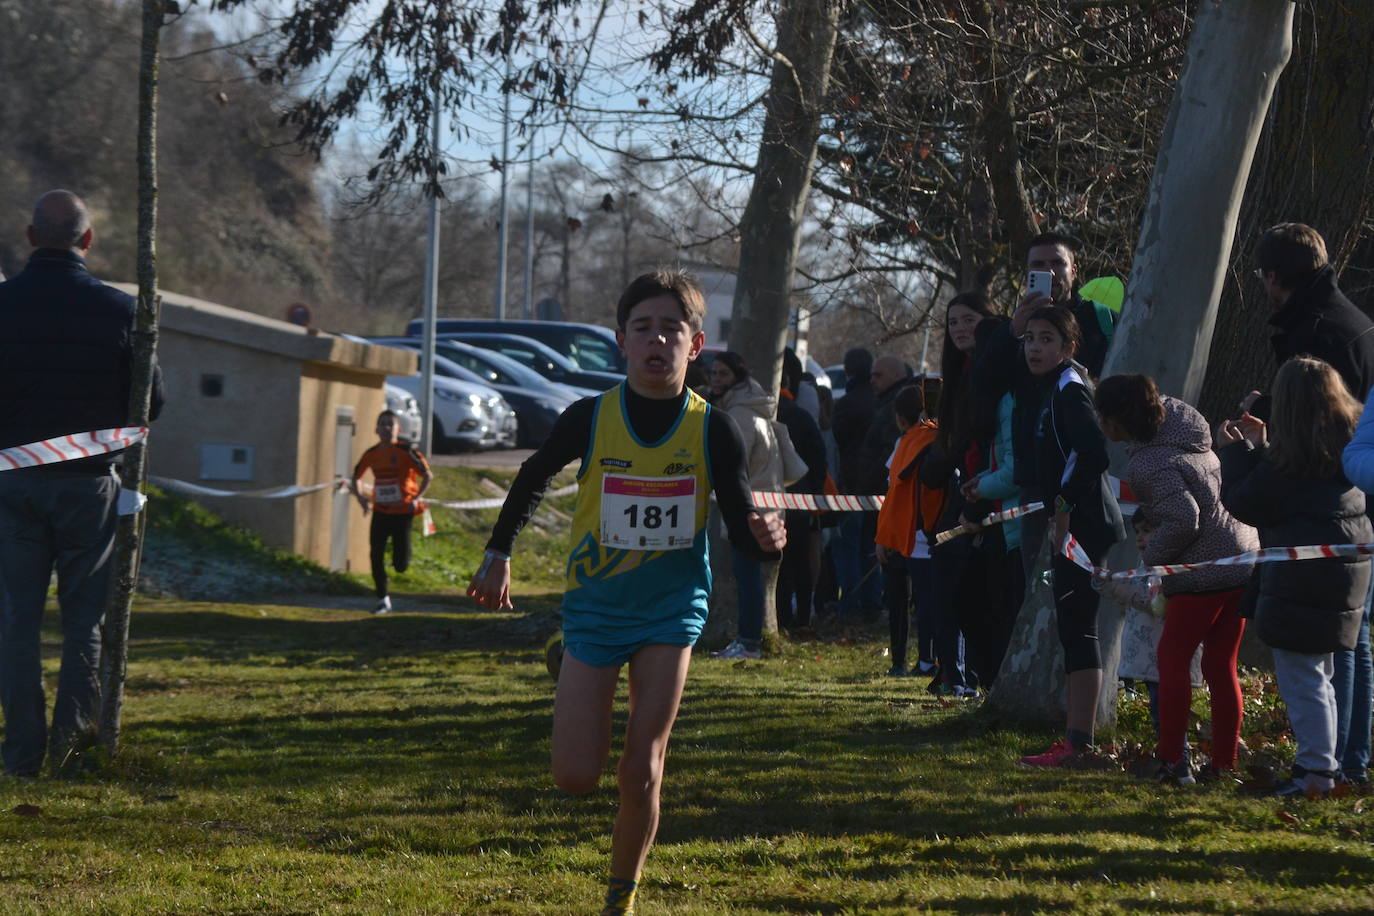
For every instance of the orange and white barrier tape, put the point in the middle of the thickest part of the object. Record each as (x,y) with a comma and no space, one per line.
(71,448)
(995,518)
(1075,552)
(820,502)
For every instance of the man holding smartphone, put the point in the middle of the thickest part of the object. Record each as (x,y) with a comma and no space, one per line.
(1057,255)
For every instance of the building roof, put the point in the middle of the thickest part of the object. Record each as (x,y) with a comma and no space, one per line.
(199,318)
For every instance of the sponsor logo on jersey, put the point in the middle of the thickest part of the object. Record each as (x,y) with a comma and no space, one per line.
(678,468)
(616,463)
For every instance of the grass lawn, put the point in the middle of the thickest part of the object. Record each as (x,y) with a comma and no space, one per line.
(315,759)
(300,756)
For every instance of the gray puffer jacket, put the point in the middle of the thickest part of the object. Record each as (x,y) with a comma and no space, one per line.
(1177,478)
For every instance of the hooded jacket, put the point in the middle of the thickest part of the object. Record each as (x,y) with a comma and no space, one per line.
(752,410)
(1177,477)
(1309,606)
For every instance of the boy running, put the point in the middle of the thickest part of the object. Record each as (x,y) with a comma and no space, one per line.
(400,476)
(639,579)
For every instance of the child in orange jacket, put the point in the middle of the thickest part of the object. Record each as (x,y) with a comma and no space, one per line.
(907,521)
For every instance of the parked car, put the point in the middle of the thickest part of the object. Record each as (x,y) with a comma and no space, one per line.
(540,357)
(708,356)
(407,411)
(839,380)
(537,401)
(590,347)
(468,414)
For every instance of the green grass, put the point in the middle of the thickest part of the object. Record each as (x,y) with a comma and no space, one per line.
(446,560)
(300,760)
(192,553)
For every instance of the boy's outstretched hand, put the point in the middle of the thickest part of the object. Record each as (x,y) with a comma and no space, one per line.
(767,528)
(490,586)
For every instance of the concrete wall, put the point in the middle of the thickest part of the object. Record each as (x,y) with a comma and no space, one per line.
(323,389)
(258,408)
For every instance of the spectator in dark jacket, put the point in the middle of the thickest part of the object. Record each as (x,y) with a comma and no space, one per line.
(1058,254)
(1071,463)
(796,574)
(1313,317)
(852,417)
(852,550)
(1285,479)
(966,624)
(1000,368)
(890,374)
(66,357)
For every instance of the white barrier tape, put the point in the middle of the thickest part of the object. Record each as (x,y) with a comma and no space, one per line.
(1075,552)
(996,518)
(816,502)
(71,448)
(287,492)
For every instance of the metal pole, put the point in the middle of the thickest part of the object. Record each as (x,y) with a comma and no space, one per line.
(529,234)
(925,348)
(505,168)
(431,302)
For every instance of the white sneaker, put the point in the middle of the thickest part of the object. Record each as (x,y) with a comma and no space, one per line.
(737,649)
(383,606)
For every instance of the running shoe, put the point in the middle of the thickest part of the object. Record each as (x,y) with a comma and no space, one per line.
(1061,753)
(383,606)
(737,649)
(1175,774)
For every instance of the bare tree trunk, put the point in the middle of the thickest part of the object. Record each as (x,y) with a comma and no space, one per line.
(1315,165)
(129,534)
(770,229)
(1235,55)
(723,620)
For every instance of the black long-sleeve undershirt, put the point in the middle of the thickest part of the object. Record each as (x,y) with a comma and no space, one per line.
(651,419)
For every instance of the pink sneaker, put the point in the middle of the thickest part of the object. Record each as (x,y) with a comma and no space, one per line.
(1060,753)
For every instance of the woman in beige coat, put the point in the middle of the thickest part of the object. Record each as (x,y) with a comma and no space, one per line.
(753,410)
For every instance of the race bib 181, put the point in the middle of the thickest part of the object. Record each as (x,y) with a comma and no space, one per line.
(648,513)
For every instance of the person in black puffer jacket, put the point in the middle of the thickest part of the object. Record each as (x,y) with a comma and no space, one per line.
(1287,482)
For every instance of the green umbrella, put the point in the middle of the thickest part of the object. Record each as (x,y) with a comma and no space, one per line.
(1108,291)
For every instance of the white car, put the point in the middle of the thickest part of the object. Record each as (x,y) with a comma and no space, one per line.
(407,411)
(466,416)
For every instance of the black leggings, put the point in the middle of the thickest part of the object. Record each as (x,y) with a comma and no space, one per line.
(795,578)
(1075,612)
(397,528)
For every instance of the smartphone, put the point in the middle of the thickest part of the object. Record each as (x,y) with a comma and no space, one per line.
(1040,282)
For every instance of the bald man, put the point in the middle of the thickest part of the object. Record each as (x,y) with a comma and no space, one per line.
(66,355)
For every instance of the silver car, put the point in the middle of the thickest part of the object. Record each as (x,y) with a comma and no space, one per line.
(399,402)
(466,416)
